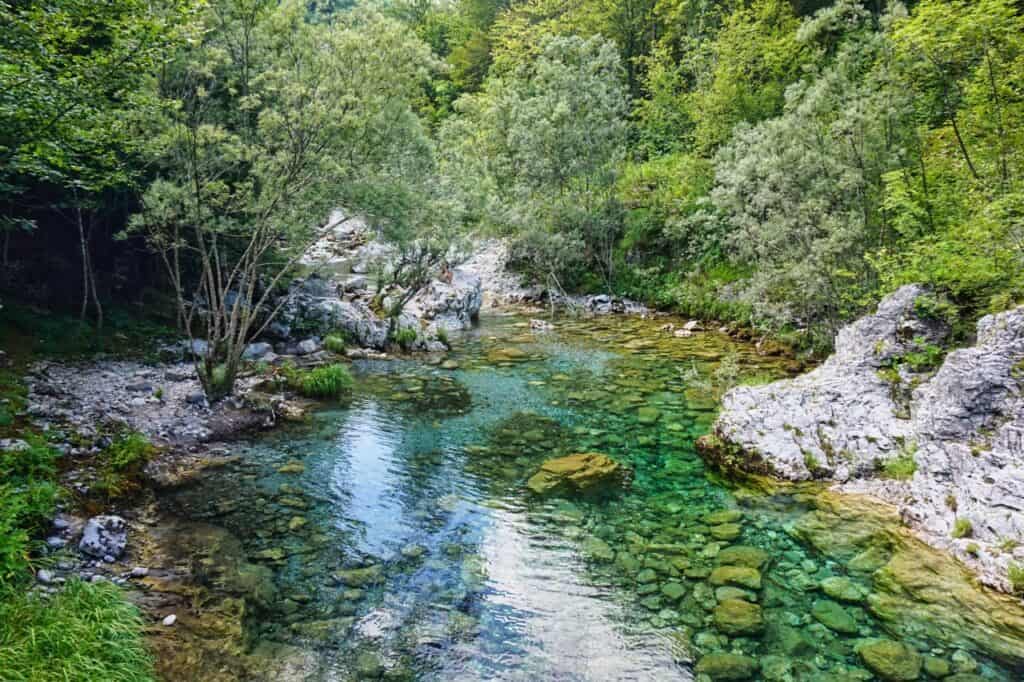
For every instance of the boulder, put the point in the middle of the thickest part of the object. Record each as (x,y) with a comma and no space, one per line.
(959,431)
(891,660)
(726,666)
(585,473)
(738,617)
(104,536)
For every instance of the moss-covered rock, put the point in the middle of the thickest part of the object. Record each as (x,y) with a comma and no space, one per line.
(891,660)
(736,575)
(726,666)
(585,472)
(738,617)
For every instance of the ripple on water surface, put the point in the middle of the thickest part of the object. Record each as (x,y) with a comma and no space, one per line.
(404,545)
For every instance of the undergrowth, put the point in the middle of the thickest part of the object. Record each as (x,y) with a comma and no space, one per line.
(329,381)
(83,633)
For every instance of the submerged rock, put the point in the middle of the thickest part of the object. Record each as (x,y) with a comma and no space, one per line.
(585,473)
(738,617)
(725,666)
(891,660)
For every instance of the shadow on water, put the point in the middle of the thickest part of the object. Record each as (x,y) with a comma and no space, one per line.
(403,543)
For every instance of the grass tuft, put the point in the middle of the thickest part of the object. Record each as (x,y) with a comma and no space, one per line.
(329,381)
(83,633)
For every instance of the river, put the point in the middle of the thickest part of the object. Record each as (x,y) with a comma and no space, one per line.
(397,540)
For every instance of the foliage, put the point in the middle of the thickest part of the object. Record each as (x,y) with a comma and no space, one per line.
(262,141)
(120,464)
(900,468)
(535,154)
(28,494)
(405,337)
(328,381)
(83,633)
(1015,573)
(962,528)
(335,343)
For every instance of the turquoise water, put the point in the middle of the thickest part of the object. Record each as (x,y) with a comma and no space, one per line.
(402,543)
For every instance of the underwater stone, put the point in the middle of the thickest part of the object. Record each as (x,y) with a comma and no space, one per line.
(738,617)
(585,472)
(891,660)
(936,667)
(646,576)
(360,577)
(673,590)
(843,589)
(725,666)
(730,592)
(648,415)
(598,549)
(292,467)
(736,575)
(834,617)
(726,531)
(743,555)
(721,516)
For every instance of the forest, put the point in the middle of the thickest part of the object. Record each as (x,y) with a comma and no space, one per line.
(776,165)
(780,164)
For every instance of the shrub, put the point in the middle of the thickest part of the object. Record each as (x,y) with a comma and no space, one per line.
(84,633)
(405,337)
(442,336)
(962,528)
(901,468)
(329,381)
(121,464)
(335,343)
(1015,572)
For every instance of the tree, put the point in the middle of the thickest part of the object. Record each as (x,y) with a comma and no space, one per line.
(537,151)
(272,122)
(800,194)
(75,76)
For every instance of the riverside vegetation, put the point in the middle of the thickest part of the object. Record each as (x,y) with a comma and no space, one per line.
(779,167)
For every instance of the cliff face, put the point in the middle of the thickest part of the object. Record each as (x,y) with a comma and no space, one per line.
(945,446)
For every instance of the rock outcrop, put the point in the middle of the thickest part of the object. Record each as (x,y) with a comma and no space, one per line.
(342,299)
(945,447)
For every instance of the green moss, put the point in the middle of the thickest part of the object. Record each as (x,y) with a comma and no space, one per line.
(903,466)
(973,549)
(812,463)
(84,633)
(962,528)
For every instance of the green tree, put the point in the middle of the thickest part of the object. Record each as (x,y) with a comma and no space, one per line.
(273,121)
(537,153)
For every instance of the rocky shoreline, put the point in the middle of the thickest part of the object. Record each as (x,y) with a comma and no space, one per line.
(940,442)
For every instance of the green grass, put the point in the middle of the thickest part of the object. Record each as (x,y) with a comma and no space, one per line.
(962,528)
(335,343)
(405,337)
(28,494)
(329,381)
(121,465)
(1015,572)
(83,633)
(901,468)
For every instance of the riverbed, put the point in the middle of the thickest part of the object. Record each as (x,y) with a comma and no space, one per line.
(392,537)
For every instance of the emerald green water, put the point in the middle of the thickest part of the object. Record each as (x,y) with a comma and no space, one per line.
(399,541)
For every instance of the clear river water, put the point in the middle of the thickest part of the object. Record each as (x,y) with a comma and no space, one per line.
(392,537)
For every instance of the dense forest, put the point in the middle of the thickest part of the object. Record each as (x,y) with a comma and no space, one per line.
(780,164)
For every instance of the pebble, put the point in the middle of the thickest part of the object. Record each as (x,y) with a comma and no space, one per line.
(170,620)
(139,572)
(44,576)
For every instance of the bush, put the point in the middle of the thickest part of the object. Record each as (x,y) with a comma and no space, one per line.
(962,528)
(121,464)
(27,498)
(1015,572)
(84,633)
(405,337)
(329,381)
(335,343)
(901,468)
